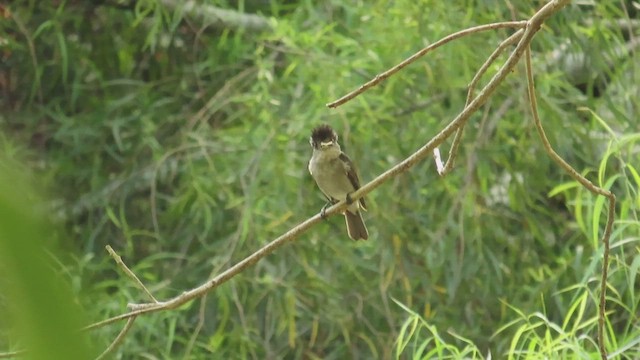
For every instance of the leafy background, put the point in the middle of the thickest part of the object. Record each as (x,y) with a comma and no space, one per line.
(181,141)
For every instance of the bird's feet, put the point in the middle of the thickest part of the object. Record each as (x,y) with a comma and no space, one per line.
(349,199)
(323,212)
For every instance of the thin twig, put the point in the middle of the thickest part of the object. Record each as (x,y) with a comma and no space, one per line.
(533,26)
(225,275)
(199,325)
(116,342)
(129,273)
(490,60)
(453,153)
(381,77)
(587,184)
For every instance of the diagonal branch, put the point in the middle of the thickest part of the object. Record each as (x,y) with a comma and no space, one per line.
(118,340)
(129,273)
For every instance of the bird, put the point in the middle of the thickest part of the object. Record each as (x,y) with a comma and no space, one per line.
(336,176)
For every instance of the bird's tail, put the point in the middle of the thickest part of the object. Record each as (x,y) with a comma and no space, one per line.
(355,225)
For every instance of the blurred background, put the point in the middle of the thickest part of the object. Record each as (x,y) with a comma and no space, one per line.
(177,132)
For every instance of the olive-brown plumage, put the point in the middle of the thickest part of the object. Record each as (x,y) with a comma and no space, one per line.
(337,177)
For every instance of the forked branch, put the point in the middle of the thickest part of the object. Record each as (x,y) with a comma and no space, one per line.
(472,86)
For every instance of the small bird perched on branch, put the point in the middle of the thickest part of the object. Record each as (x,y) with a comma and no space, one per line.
(336,177)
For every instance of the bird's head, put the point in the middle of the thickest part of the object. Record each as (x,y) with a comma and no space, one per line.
(323,137)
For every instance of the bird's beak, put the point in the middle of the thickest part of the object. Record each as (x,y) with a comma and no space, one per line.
(326,144)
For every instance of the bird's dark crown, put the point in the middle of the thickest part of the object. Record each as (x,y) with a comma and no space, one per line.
(323,133)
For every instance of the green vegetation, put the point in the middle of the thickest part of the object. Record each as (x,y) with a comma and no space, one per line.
(182,142)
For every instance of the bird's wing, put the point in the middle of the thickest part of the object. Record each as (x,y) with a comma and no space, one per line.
(352,174)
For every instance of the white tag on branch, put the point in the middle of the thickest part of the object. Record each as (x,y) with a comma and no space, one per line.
(438,160)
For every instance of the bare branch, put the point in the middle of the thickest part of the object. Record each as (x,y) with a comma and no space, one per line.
(589,186)
(472,85)
(199,325)
(129,273)
(116,342)
(532,27)
(224,276)
(381,77)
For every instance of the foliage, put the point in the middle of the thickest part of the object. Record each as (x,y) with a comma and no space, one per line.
(37,305)
(185,148)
